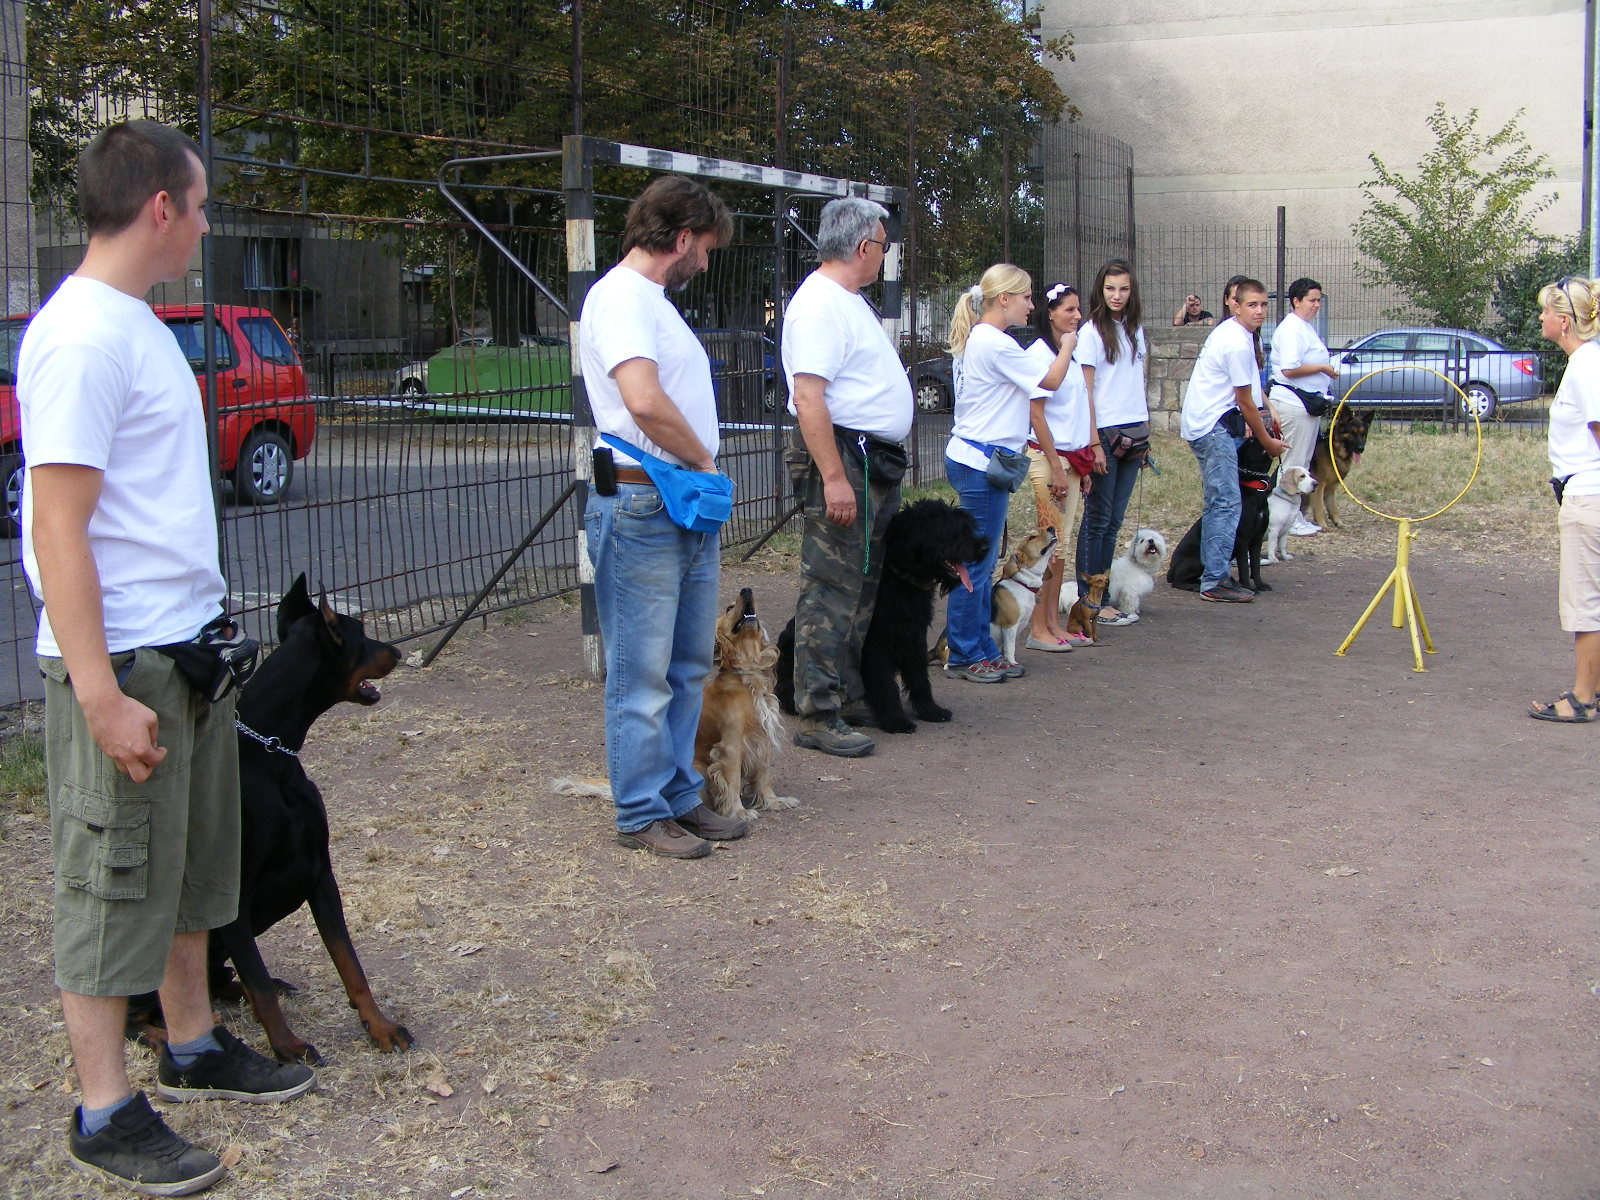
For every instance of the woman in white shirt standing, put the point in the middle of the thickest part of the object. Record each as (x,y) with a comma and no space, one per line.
(1112,351)
(1569,316)
(1301,373)
(1060,464)
(995,379)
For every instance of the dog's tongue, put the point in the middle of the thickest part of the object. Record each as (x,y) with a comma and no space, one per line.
(966,580)
(1354,459)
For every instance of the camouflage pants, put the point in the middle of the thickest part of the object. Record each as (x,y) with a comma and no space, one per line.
(839,572)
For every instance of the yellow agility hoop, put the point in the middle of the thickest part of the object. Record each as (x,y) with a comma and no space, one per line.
(1477,460)
(1407,607)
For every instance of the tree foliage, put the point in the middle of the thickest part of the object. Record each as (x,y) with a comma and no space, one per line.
(1516,291)
(1446,232)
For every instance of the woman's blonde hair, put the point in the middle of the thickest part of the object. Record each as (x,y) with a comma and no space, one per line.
(1002,279)
(1578,298)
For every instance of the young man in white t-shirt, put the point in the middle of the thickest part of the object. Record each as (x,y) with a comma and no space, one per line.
(120,543)
(648,381)
(846,388)
(1226,380)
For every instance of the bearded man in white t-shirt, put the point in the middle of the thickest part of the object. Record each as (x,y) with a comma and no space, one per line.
(849,394)
(655,584)
(120,542)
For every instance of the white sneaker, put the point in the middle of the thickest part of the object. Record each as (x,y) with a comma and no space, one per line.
(1304,528)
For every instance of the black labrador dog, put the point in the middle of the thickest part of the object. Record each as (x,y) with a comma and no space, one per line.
(924,549)
(1258,475)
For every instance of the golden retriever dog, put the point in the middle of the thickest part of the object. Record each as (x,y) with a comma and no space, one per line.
(1084,616)
(1017,589)
(740,726)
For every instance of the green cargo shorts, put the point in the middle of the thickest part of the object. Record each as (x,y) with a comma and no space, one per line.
(136,863)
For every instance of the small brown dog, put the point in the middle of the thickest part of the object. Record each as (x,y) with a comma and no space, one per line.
(1084,616)
(740,726)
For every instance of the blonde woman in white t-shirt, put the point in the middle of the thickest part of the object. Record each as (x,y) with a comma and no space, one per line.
(1569,316)
(995,380)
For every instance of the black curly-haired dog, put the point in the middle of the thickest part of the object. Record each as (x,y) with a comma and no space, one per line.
(924,550)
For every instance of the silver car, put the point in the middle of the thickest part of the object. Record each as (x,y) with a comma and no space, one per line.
(1405,362)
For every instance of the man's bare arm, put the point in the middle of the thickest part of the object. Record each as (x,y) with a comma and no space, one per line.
(64,498)
(656,415)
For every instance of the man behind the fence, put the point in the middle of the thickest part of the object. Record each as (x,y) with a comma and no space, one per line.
(120,543)
(655,584)
(848,392)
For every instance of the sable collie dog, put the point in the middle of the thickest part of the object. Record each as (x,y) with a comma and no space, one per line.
(740,728)
(1017,589)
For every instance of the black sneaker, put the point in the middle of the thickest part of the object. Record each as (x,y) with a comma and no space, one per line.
(235,1072)
(138,1151)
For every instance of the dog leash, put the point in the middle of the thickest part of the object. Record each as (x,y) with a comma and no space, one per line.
(273,744)
(866,508)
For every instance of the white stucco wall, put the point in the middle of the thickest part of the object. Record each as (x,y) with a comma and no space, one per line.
(1234,108)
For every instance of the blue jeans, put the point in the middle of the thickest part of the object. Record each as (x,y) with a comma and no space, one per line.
(967,614)
(1218,452)
(655,590)
(1103,509)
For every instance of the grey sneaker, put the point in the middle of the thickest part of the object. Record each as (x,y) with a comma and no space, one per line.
(235,1072)
(138,1151)
(978,672)
(832,736)
(1227,592)
(1011,670)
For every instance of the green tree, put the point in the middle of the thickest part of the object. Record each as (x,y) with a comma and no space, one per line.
(1446,232)
(1516,291)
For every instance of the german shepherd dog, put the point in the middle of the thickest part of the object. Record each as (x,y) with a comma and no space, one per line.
(1349,443)
(740,729)
(322,659)
(925,549)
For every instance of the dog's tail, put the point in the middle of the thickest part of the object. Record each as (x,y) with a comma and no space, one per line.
(598,789)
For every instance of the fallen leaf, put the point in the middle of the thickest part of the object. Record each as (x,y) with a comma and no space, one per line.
(599,1166)
(544,1121)
(437,1085)
(1488,1062)
(231,1156)
(463,949)
(1342,872)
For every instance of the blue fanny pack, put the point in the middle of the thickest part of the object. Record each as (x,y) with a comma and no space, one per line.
(699,501)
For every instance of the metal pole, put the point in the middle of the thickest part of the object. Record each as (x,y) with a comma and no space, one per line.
(208,322)
(1005,196)
(577,185)
(1592,174)
(577,67)
(1283,255)
(1077,219)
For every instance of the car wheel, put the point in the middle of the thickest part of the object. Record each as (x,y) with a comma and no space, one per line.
(931,396)
(12,473)
(1480,400)
(412,387)
(769,398)
(266,464)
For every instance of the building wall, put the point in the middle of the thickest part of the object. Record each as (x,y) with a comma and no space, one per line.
(1236,107)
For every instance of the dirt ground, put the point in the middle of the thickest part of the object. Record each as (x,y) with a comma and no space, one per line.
(1204,911)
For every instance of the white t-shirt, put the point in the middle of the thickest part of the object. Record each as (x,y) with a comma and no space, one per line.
(1067,409)
(1119,389)
(1295,344)
(102,383)
(831,332)
(1227,361)
(1572,447)
(995,380)
(627,316)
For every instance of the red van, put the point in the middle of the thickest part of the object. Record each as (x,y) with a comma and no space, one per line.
(265,419)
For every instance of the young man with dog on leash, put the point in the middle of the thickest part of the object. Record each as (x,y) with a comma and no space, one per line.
(1219,406)
(852,404)
(655,582)
(119,535)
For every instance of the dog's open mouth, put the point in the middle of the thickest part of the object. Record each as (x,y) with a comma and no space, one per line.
(367,692)
(959,570)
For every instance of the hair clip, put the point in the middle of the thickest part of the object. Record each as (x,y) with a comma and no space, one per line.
(1055,291)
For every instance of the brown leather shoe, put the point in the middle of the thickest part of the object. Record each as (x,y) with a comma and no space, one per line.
(707,822)
(666,838)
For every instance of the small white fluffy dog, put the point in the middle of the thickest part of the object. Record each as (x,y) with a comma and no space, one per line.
(1282,508)
(1134,574)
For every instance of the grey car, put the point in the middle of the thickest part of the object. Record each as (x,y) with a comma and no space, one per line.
(1406,361)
